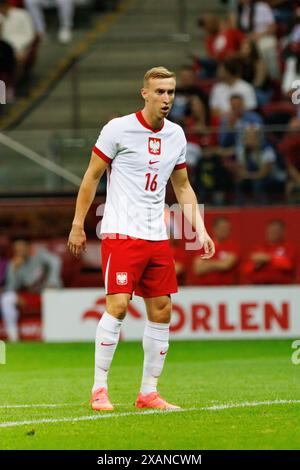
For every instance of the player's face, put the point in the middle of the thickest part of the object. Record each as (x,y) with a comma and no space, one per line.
(159,96)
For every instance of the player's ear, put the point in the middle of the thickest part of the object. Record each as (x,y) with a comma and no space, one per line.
(144,93)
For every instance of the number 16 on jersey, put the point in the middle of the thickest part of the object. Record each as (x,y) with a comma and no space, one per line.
(151,183)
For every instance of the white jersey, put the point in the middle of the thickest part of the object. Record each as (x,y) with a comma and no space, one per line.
(141,162)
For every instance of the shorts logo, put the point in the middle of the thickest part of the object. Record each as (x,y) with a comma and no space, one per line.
(121,279)
(154,146)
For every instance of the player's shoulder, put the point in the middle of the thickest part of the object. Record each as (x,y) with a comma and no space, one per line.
(120,123)
(174,128)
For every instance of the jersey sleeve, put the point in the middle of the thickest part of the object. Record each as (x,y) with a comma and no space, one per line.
(181,161)
(106,146)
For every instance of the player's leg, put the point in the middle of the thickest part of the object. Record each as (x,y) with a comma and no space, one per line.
(155,341)
(156,345)
(156,285)
(119,278)
(107,339)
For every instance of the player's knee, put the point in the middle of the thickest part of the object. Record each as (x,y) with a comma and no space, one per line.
(162,312)
(117,307)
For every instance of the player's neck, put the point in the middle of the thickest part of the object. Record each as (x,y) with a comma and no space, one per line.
(151,120)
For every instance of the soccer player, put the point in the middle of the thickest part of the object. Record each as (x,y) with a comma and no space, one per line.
(140,152)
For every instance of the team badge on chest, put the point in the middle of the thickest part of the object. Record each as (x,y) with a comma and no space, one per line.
(121,279)
(154,146)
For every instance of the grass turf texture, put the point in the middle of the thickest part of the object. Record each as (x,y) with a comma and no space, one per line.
(197,374)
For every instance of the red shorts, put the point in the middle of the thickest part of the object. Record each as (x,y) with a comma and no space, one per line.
(144,267)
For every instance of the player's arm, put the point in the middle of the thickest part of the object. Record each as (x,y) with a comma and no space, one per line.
(187,200)
(86,195)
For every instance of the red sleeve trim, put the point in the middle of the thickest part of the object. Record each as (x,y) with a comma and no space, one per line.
(102,155)
(180,166)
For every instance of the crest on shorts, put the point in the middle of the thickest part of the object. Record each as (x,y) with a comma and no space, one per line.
(121,279)
(154,146)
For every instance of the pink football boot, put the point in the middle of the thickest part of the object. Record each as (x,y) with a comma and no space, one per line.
(154,400)
(100,400)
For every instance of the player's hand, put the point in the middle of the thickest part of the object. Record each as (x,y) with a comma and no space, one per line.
(77,241)
(208,247)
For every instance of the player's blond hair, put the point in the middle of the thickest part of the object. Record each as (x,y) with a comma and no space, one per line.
(158,72)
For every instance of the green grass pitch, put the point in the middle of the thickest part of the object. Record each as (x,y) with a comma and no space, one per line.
(197,376)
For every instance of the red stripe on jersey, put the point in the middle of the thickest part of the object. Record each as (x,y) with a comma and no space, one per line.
(180,166)
(102,155)
(144,123)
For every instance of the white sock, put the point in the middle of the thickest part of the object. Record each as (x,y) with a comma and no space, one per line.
(156,345)
(107,338)
(10,314)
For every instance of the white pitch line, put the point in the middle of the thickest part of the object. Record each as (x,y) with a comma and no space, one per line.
(87,418)
(147,412)
(246,404)
(41,405)
(50,405)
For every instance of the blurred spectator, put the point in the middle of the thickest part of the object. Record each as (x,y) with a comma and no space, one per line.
(222,268)
(3,264)
(274,261)
(199,123)
(29,273)
(254,71)
(283,11)
(233,124)
(210,179)
(187,88)
(3,260)
(17,31)
(221,41)
(289,149)
(232,8)
(257,20)
(65,14)
(291,74)
(291,39)
(230,83)
(7,68)
(255,167)
(204,167)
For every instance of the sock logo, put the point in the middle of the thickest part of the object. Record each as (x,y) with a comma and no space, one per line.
(163,353)
(107,344)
